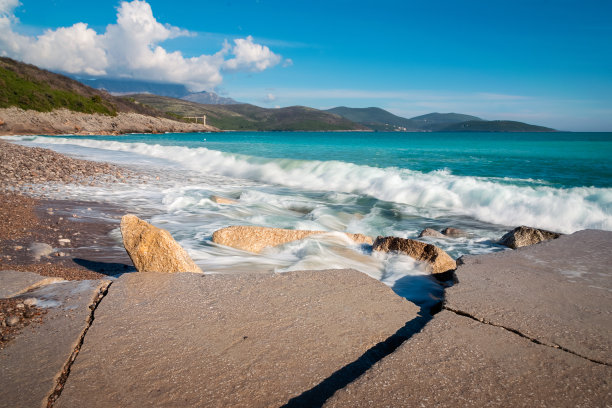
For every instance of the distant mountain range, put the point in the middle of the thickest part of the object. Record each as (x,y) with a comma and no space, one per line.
(129,86)
(250,117)
(29,87)
(380,119)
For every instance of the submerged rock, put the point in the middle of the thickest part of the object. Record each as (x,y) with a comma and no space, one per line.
(454,232)
(255,239)
(429,232)
(222,200)
(438,260)
(153,249)
(525,236)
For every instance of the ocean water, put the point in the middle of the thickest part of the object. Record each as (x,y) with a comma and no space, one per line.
(371,183)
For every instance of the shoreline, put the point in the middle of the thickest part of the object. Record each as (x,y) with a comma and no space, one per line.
(18,122)
(205,318)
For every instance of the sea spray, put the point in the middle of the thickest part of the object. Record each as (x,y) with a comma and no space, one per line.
(437,193)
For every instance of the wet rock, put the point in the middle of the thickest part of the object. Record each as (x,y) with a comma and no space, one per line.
(454,232)
(255,239)
(525,236)
(222,200)
(30,301)
(438,261)
(153,249)
(12,321)
(429,232)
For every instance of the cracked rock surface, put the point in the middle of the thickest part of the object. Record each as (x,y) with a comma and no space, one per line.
(495,341)
(558,292)
(249,340)
(456,361)
(31,364)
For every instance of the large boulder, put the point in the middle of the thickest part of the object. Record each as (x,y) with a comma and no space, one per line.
(525,236)
(255,239)
(153,249)
(438,261)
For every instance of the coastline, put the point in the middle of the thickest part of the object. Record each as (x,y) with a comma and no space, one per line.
(16,121)
(209,313)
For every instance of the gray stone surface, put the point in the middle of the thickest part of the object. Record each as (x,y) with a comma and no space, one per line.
(32,362)
(248,340)
(558,292)
(13,283)
(457,362)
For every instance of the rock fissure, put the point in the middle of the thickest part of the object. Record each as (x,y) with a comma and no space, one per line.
(63,377)
(523,335)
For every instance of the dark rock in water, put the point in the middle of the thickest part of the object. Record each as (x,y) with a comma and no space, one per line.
(454,232)
(429,232)
(525,236)
(438,260)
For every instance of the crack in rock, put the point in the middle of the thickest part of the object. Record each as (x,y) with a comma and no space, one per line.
(523,335)
(61,381)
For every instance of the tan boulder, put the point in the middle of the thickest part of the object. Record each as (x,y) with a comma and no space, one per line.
(438,261)
(153,249)
(255,239)
(525,236)
(429,232)
(222,200)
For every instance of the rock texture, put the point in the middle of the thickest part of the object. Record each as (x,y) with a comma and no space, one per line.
(222,200)
(255,239)
(13,283)
(153,249)
(525,236)
(62,121)
(429,232)
(245,340)
(458,362)
(558,292)
(31,364)
(438,261)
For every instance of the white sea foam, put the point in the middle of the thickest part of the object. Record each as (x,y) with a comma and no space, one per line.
(437,193)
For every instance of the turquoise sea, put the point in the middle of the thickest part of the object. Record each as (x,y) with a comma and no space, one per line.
(372,183)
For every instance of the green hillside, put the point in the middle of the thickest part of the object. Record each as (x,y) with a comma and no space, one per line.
(437,121)
(250,117)
(495,126)
(375,118)
(28,87)
(380,119)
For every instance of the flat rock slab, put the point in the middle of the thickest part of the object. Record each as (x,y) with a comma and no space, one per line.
(457,362)
(31,364)
(13,283)
(247,340)
(558,292)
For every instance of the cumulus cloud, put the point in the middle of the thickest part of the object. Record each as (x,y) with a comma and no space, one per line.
(130,48)
(250,56)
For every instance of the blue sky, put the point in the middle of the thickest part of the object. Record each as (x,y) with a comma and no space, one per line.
(542,62)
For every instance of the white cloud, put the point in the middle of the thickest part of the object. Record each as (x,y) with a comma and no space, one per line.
(130,48)
(270,98)
(250,56)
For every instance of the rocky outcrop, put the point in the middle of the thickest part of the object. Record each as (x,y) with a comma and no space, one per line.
(222,200)
(255,239)
(525,236)
(231,340)
(438,261)
(62,121)
(153,249)
(429,232)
